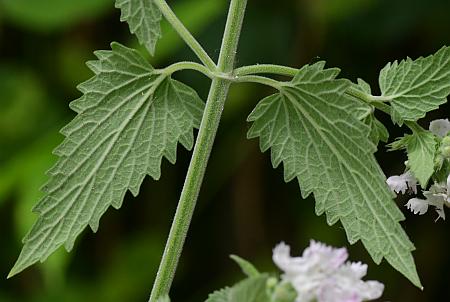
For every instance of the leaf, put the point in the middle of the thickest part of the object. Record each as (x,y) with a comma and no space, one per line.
(328,151)
(34,15)
(246,267)
(378,132)
(128,119)
(421,148)
(416,87)
(400,143)
(365,113)
(355,106)
(143,18)
(250,290)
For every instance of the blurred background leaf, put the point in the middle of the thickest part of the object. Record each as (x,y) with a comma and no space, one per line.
(50,15)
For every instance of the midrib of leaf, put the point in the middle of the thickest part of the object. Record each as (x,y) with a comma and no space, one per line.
(343,163)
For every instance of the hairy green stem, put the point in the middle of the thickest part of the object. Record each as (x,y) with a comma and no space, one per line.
(185,34)
(202,150)
(258,79)
(266,68)
(185,65)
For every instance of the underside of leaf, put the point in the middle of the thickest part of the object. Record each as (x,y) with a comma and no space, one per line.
(128,119)
(421,148)
(143,18)
(327,149)
(417,87)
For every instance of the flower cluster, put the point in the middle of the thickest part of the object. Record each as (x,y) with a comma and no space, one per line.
(322,274)
(438,195)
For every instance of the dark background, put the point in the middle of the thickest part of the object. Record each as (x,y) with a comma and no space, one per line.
(244,208)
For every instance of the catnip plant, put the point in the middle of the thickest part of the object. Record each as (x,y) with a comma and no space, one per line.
(320,127)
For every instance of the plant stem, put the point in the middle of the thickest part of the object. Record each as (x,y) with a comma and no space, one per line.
(266,68)
(211,117)
(185,34)
(258,79)
(185,65)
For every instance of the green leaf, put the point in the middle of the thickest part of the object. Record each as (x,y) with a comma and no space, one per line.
(365,113)
(143,18)
(328,151)
(421,148)
(246,267)
(249,290)
(36,16)
(378,132)
(416,87)
(128,119)
(355,106)
(400,143)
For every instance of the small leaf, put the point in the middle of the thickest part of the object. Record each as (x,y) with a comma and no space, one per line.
(143,18)
(400,143)
(128,119)
(378,132)
(355,106)
(250,290)
(416,87)
(248,268)
(421,148)
(328,151)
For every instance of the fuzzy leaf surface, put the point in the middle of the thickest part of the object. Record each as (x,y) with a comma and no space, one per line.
(128,119)
(421,148)
(143,18)
(365,112)
(417,87)
(328,151)
(249,290)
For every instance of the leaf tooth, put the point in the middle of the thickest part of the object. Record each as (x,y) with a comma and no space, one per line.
(171,152)
(329,74)
(95,66)
(318,66)
(103,55)
(187,139)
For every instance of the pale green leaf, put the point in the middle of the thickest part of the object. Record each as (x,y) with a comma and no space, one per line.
(143,18)
(246,267)
(365,113)
(328,151)
(250,290)
(421,147)
(355,106)
(378,132)
(416,87)
(128,119)
(400,143)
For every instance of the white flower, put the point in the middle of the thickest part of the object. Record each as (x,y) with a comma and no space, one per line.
(321,275)
(448,186)
(438,196)
(417,205)
(401,183)
(440,127)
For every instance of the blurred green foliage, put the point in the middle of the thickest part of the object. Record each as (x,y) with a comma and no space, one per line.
(245,208)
